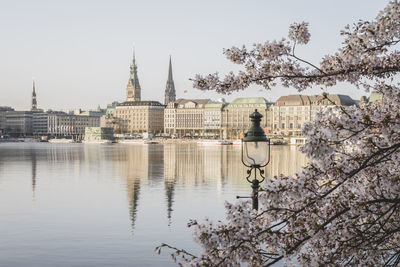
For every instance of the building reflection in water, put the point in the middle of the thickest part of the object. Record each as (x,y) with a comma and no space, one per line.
(132,164)
(33,172)
(194,165)
(189,165)
(155,166)
(286,160)
(170,178)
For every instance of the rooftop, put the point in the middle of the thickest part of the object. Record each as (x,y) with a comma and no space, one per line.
(250,100)
(295,100)
(343,100)
(197,101)
(215,104)
(140,103)
(303,100)
(246,102)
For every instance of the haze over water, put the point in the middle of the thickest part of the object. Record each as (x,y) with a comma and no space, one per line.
(103,205)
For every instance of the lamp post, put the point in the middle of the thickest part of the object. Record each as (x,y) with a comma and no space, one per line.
(256,149)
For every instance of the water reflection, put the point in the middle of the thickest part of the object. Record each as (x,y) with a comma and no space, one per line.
(186,165)
(33,172)
(193,166)
(76,192)
(286,160)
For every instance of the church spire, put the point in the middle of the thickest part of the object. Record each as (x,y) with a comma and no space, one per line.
(170,94)
(133,67)
(170,79)
(133,89)
(33,100)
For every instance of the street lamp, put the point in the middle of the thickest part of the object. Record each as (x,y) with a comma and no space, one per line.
(256,149)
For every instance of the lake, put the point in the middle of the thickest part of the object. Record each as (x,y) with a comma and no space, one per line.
(111,205)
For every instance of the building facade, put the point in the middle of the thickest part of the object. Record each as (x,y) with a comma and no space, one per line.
(40,123)
(213,119)
(235,116)
(170,118)
(185,117)
(3,112)
(140,117)
(19,123)
(63,124)
(290,112)
(98,133)
(108,119)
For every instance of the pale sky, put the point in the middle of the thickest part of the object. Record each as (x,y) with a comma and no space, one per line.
(79,51)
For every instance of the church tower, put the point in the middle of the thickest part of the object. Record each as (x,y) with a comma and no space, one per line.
(33,100)
(170,95)
(133,87)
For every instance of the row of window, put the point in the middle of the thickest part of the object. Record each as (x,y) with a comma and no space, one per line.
(291,126)
(290,118)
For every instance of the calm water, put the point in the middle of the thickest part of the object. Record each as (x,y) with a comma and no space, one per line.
(111,205)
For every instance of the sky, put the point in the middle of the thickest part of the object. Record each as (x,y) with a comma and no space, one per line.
(79,52)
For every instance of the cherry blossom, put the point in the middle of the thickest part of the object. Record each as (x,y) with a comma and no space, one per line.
(343,208)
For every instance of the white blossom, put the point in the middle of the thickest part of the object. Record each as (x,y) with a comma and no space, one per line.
(343,208)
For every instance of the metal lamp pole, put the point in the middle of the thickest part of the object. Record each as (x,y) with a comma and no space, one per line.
(256,149)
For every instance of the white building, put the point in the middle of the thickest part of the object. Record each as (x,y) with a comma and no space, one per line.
(213,119)
(184,117)
(290,112)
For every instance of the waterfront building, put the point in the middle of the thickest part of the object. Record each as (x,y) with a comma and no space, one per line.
(213,118)
(19,123)
(109,119)
(290,112)
(185,117)
(98,133)
(140,117)
(170,118)
(135,116)
(170,94)
(99,112)
(3,112)
(133,90)
(63,124)
(40,123)
(235,116)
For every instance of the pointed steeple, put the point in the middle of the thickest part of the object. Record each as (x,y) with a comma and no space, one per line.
(133,89)
(170,94)
(33,99)
(132,66)
(170,79)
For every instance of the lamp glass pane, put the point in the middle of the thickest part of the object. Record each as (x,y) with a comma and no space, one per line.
(255,153)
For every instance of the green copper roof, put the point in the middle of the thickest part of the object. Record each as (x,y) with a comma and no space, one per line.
(249,102)
(214,105)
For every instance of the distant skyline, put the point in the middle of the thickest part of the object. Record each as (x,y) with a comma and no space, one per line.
(79,52)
